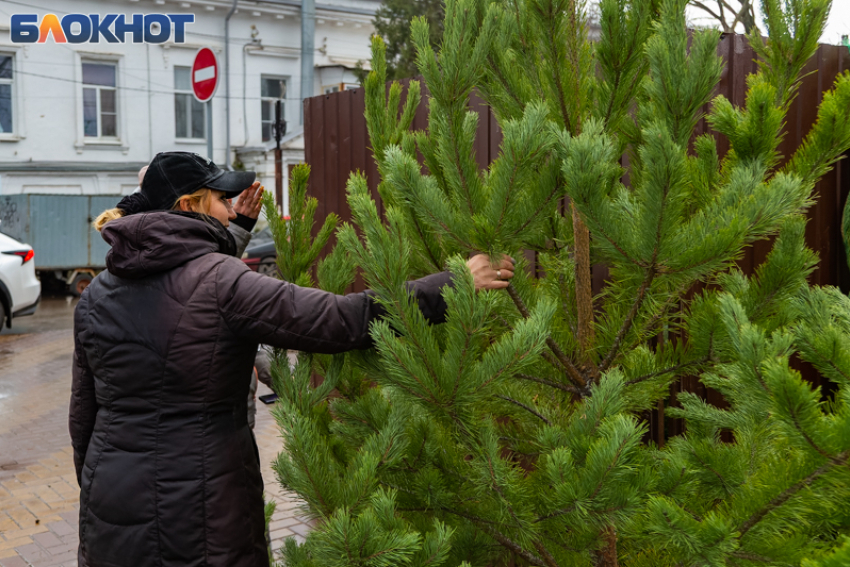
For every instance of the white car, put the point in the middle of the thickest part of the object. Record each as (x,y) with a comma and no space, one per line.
(20,290)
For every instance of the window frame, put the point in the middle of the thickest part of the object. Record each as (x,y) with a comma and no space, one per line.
(272,100)
(98,97)
(191,96)
(83,143)
(13,96)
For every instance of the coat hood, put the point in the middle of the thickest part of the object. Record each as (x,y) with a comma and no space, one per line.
(146,244)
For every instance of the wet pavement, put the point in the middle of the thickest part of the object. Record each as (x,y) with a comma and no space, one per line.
(39,495)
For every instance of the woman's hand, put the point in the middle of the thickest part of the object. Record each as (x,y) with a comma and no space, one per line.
(488,276)
(250,201)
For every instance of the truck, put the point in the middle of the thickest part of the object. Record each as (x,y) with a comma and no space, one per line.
(59,228)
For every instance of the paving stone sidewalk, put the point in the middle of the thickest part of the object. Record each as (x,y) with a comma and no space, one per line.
(39,496)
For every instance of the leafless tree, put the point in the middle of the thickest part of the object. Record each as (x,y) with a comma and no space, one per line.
(729,13)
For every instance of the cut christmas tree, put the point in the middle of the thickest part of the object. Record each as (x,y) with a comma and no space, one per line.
(513,430)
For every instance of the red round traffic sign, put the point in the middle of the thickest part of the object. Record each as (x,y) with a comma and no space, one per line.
(204,74)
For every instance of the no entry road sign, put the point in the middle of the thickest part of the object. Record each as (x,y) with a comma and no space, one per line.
(204,74)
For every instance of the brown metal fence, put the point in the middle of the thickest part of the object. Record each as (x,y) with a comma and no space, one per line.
(337,144)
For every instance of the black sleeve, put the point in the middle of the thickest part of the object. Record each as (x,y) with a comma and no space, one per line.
(281,314)
(245,222)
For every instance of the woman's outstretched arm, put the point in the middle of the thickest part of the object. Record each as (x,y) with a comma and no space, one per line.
(269,311)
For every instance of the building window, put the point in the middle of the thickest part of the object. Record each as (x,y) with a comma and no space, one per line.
(100,113)
(189,113)
(6,88)
(273,90)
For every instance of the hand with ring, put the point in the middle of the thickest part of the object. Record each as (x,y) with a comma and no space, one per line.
(491,276)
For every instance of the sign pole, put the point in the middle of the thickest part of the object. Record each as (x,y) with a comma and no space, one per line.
(209,131)
(204,84)
(279,131)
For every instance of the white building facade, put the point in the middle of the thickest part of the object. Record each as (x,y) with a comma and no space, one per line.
(82,119)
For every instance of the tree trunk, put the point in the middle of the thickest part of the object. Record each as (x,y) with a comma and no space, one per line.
(606,556)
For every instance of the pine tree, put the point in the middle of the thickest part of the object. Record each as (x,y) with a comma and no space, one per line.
(392,23)
(513,428)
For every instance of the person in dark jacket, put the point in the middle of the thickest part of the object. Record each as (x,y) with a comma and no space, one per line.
(165,339)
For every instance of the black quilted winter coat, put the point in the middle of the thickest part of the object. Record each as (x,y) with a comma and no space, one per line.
(164,345)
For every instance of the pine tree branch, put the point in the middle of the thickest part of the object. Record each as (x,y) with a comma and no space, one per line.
(667,370)
(647,282)
(760,378)
(619,248)
(555,63)
(572,372)
(487,527)
(547,557)
(545,355)
(431,256)
(497,71)
(789,492)
(750,557)
(627,323)
(516,548)
(439,222)
(619,77)
(316,490)
(534,215)
(499,491)
(714,472)
(344,414)
(595,491)
(526,408)
(563,387)
(462,364)
(824,359)
(511,180)
(430,397)
(661,313)
(808,439)
(678,482)
(418,455)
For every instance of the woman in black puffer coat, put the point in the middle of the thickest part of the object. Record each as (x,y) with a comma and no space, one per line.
(164,344)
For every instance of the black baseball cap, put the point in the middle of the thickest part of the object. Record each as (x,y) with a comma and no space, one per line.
(173,174)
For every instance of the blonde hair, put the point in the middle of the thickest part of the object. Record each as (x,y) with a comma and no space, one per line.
(200,201)
(107,216)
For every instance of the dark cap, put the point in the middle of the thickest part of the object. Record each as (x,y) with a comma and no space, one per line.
(173,174)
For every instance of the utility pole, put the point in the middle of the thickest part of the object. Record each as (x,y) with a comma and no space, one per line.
(279,128)
(308,45)
(227,84)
